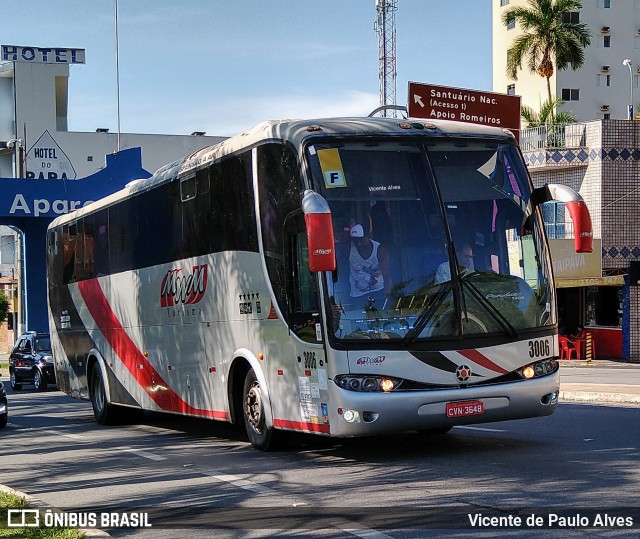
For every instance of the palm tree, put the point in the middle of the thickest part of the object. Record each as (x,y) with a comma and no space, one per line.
(552,121)
(548,37)
(547,115)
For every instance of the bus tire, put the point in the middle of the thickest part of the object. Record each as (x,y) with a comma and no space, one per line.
(260,435)
(104,412)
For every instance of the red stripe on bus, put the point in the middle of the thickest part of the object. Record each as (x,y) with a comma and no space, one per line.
(132,358)
(482,360)
(301,425)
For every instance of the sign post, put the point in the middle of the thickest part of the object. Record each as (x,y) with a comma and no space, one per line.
(463,105)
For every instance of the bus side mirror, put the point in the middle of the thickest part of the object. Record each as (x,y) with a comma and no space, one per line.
(582,228)
(320,240)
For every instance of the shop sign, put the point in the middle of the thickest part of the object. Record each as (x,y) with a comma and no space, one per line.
(567,264)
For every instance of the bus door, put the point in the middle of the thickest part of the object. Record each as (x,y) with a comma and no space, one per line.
(305,325)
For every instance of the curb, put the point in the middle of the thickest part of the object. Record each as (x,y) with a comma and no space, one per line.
(598,398)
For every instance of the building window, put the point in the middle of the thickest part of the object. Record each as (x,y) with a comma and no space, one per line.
(571,94)
(504,2)
(606,116)
(606,41)
(606,3)
(554,220)
(511,89)
(571,17)
(604,80)
(511,24)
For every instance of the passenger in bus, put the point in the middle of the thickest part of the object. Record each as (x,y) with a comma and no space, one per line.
(464,254)
(369,276)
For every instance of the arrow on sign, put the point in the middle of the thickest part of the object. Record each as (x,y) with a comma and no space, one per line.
(418,99)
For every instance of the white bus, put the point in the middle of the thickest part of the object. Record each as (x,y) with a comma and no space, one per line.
(286,279)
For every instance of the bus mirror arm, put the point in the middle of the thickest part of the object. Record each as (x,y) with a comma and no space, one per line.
(583,231)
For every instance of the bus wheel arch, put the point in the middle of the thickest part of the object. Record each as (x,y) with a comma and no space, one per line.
(251,405)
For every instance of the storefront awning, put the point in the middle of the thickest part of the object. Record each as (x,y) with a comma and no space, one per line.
(610,280)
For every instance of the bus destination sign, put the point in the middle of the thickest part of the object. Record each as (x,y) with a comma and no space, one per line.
(463,105)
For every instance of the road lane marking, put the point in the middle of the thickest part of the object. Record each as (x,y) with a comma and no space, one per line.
(483,429)
(144,454)
(66,434)
(239,482)
(616,449)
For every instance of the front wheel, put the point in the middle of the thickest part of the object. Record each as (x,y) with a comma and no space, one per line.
(260,435)
(104,412)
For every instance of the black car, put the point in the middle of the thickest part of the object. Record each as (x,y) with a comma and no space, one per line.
(4,409)
(31,362)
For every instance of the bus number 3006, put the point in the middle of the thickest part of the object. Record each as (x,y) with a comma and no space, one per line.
(540,348)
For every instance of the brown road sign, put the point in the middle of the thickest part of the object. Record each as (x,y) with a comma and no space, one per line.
(463,105)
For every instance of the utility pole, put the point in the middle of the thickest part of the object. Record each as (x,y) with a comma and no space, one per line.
(386,27)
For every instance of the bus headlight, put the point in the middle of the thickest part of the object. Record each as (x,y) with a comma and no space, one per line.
(540,368)
(367,384)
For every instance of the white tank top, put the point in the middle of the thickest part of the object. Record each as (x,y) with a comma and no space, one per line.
(365,275)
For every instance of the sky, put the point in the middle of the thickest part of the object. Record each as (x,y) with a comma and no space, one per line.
(223,66)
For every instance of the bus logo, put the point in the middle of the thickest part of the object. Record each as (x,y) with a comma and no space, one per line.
(463,373)
(187,289)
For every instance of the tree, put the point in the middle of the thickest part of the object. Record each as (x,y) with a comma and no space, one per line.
(549,35)
(548,114)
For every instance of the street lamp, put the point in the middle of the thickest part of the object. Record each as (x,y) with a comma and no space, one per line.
(627,62)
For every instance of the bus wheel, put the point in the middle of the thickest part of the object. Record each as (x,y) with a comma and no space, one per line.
(260,435)
(105,413)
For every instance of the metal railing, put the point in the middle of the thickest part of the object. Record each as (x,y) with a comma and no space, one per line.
(559,231)
(553,136)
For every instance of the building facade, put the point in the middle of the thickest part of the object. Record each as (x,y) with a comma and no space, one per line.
(601,160)
(603,87)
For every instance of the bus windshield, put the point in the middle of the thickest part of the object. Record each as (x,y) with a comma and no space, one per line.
(434,240)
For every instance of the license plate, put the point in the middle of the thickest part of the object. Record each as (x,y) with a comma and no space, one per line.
(465,408)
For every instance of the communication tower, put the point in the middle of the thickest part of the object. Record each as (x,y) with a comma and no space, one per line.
(385,25)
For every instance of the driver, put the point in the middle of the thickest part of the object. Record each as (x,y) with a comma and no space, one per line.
(464,254)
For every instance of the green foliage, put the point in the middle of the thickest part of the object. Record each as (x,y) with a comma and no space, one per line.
(547,115)
(4,306)
(548,37)
(11,501)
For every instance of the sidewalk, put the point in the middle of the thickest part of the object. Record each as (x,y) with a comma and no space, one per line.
(599,393)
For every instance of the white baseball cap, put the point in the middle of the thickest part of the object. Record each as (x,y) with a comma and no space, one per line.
(357,231)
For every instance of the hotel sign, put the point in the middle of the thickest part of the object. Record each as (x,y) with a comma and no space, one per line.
(42,55)
(463,105)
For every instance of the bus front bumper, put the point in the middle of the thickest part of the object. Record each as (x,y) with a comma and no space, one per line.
(358,413)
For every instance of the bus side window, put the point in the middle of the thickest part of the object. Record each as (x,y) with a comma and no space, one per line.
(306,298)
(303,293)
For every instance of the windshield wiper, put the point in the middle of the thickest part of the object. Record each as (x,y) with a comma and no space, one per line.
(428,313)
(490,307)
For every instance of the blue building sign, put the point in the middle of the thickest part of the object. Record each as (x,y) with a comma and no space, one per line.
(30,204)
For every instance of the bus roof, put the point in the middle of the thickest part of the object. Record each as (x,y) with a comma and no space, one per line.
(295,132)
